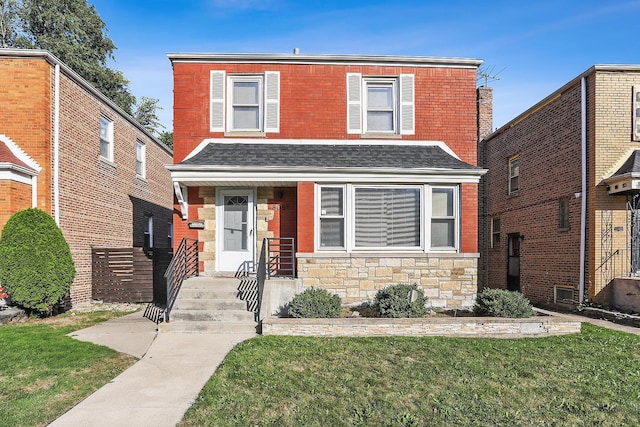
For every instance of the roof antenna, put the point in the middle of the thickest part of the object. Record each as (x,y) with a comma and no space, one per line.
(488,75)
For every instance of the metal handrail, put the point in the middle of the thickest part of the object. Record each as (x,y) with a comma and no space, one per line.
(280,257)
(183,265)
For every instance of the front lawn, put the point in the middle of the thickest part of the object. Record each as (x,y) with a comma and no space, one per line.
(586,379)
(43,372)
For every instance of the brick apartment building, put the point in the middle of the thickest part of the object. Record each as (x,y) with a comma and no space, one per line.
(68,150)
(560,215)
(367,163)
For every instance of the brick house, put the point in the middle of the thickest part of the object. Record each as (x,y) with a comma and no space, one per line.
(68,150)
(366,163)
(560,210)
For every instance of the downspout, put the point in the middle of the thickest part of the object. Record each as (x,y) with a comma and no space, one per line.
(56,146)
(583,215)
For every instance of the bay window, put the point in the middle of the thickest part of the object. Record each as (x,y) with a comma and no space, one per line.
(377,217)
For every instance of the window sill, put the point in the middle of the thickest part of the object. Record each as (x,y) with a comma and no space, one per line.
(564,229)
(107,161)
(514,194)
(141,178)
(380,135)
(244,134)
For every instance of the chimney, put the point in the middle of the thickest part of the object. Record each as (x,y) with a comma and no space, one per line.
(296,51)
(485,111)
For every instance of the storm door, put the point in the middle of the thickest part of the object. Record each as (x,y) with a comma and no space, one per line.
(235,237)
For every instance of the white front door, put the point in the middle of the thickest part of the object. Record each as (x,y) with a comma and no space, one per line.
(235,236)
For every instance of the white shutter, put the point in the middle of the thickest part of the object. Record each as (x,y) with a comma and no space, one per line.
(354,103)
(216,119)
(636,113)
(407,105)
(272,101)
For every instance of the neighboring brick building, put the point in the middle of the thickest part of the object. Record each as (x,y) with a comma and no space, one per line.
(367,162)
(68,150)
(560,190)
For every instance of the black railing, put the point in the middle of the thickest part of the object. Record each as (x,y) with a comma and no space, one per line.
(261,277)
(183,265)
(280,257)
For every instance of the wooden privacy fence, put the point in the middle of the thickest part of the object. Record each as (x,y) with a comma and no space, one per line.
(129,274)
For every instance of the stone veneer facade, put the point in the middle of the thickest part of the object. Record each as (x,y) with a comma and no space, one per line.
(449,280)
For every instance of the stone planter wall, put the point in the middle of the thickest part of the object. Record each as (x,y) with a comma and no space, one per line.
(449,280)
(461,326)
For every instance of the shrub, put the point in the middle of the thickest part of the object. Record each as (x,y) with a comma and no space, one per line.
(401,301)
(315,303)
(37,268)
(502,303)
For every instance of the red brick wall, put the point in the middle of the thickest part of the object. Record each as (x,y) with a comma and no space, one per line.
(285,212)
(313,106)
(14,197)
(25,114)
(445,103)
(102,204)
(548,142)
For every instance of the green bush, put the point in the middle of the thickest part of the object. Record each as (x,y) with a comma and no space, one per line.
(37,268)
(315,303)
(400,301)
(502,303)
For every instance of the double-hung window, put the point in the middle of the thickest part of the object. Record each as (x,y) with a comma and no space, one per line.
(380,104)
(106,137)
(245,102)
(636,113)
(141,158)
(514,175)
(443,217)
(332,217)
(359,217)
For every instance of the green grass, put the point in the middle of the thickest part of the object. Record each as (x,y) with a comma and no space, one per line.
(587,379)
(43,372)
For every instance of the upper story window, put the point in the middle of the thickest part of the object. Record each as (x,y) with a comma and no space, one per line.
(141,158)
(563,214)
(380,104)
(514,174)
(368,217)
(636,113)
(245,102)
(106,137)
(495,232)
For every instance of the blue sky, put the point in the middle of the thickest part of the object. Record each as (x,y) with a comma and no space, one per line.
(532,47)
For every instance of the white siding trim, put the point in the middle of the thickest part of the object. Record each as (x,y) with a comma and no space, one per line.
(217,107)
(407,104)
(354,103)
(272,101)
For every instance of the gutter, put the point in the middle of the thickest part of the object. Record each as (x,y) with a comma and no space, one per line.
(583,214)
(56,146)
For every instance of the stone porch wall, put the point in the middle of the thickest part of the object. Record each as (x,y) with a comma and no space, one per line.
(449,280)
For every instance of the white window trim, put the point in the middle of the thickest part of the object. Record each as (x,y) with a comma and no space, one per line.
(510,176)
(404,103)
(143,159)
(319,215)
(231,79)
(381,81)
(110,133)
(456,218)
(635,112)
(425,219)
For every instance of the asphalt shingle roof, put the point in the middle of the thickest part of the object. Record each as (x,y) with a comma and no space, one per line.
(327,156)
(631,165)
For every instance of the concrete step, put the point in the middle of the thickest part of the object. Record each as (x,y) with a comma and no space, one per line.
(212,293)
(210,315)
(209,327)
(209,304)
(211,283)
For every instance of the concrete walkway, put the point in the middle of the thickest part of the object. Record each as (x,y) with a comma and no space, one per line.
(158,389)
